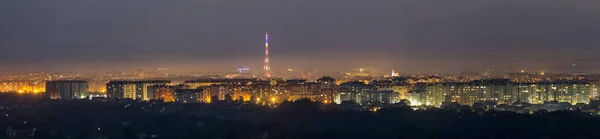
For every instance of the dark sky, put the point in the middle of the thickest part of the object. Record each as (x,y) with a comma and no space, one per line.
(379,35)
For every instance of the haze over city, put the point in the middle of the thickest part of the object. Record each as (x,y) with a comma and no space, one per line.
(335,35)
(304,69)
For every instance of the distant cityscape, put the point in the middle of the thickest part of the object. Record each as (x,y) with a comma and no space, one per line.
(128,104)
(538,90)
(322,69)
(514,91)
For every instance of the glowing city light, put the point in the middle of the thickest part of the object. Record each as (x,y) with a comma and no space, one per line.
(240,70)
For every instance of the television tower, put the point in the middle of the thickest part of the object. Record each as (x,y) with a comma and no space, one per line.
(267,65)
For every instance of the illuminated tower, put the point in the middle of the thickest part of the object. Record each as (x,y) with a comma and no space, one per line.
(267,65)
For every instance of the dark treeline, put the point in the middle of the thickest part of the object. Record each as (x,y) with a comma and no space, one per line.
(303,119)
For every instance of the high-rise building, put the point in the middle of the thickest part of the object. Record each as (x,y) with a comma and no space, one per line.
(22,86)
(209,82)
(162,92)
(190,95)
(326,82)
(502,91)
(267,66)
(358,92)
(67,89)
(132,89)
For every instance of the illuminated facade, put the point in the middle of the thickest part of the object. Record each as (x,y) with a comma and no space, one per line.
(162,92)
(243,88)
(416,98)
(402,90)
(594,91)
(327,95)
(98,85)
(570,92)
(310,90)
(356,91)
(435,94)
(132,89)
(383,97)
(327,82)
(235,91)
(67,89)
(22,86)
(327,89)
(504,92)
(190,95)
(208,82)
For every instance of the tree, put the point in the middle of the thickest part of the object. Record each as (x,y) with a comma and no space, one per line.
(253,99)
(303,106)
(214,99)
(129,133)
(405,102)
(452,106)
(240,99)
(349,104)
(228,98)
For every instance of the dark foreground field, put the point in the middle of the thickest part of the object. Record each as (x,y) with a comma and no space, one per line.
(126,119)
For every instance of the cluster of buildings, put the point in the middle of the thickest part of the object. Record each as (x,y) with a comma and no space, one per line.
(429,91)
(503,91)
(203,90)
(22,86)
(67,89)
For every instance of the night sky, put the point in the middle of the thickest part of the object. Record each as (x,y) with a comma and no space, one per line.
(333,35)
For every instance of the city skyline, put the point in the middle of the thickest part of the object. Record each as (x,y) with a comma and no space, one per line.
(407,36)
(351,69)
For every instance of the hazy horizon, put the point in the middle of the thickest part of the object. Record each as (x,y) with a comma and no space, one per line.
(409,36)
